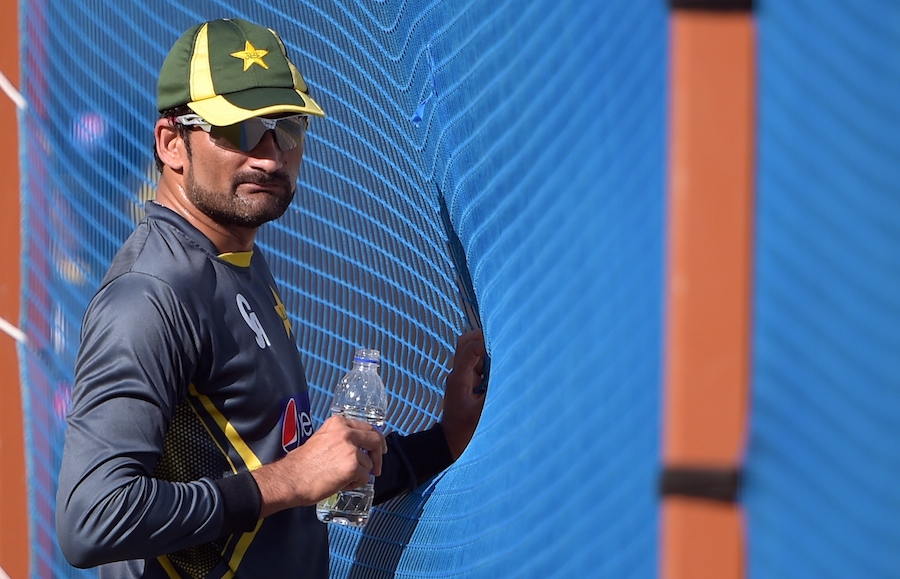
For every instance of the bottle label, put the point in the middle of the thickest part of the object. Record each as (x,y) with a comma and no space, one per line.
(296,424)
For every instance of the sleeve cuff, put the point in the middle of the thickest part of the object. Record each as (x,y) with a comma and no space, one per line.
(242,503)
(427,452)
(411,461)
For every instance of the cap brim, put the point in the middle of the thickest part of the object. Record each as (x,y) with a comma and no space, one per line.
(233,108)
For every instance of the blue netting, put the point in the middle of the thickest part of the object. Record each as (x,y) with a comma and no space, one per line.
(822,496)
(540,125)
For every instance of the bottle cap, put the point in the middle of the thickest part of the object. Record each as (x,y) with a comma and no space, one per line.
(367,356)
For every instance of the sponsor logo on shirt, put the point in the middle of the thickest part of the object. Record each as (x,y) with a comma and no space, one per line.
(296,425)
(262,340)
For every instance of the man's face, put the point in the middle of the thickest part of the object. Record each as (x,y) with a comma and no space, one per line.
(241,189)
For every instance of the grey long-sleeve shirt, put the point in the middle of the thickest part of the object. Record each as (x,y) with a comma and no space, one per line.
(187,379)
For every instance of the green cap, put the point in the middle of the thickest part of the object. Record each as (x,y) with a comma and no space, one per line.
(228,71)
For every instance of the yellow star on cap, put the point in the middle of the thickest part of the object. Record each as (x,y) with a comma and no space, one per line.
(251,56)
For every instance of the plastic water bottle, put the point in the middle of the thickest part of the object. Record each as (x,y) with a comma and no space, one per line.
(359,395)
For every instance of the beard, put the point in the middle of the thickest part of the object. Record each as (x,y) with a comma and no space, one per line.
(249,210)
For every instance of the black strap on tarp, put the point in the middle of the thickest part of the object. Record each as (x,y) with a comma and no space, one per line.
(713,5)
(716,484)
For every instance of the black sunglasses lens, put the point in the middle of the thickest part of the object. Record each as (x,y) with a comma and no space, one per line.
(246,135)
(290,132)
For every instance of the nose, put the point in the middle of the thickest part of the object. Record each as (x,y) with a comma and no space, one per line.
(267,155)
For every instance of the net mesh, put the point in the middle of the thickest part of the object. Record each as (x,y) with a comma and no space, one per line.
(539,126)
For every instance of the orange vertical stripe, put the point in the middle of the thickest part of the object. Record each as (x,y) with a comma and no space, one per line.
(14,554)
(709,275)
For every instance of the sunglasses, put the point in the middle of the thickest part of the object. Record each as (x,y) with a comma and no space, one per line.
(245,136)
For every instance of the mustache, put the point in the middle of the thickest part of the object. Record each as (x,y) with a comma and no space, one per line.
(276,178)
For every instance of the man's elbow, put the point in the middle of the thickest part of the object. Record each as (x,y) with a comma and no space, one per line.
(81,547)
(78,553)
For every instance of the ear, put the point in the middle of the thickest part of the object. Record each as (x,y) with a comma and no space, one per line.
(169,145)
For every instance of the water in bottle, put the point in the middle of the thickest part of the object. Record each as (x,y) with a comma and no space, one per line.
(359,395)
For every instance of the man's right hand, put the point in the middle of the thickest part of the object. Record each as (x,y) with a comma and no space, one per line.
(339,456)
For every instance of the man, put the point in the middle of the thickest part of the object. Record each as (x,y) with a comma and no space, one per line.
(189,450)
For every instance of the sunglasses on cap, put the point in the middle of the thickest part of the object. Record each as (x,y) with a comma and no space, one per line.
(245,136)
